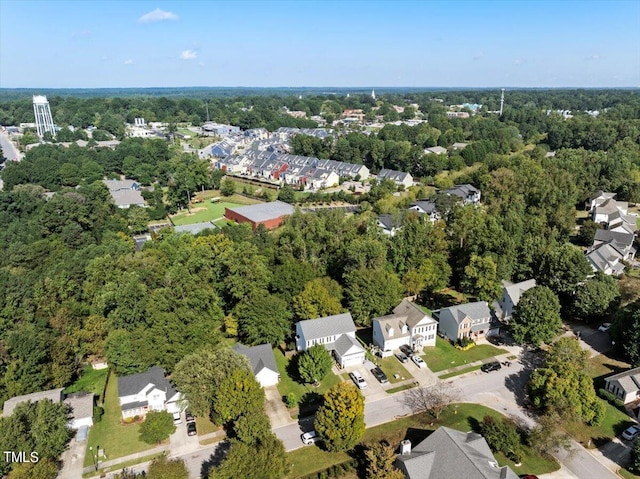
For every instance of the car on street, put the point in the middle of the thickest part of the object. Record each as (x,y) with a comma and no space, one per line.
(188,415)
(401,357)
(191,429)
(310,437)
(418,361)
(358,380)
(488,367)
(380,375)
(604,327)
(406,349)
(631,432)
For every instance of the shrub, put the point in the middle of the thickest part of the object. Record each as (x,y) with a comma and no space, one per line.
(611,398)
(98,412)
(464,344)
(291,400)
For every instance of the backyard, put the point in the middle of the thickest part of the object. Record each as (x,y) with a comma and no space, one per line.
(91,380)
(206,210)
(463,417)
(114,438)
(445,355)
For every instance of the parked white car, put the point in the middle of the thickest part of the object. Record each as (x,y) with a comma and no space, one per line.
(631,433)
(604,327)
(310,437)
(358,380)
(418,361)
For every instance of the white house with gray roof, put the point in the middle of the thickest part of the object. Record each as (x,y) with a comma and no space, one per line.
(510,297)
(606,258)
(469,194)
(336,333)
(625,385)
(262,361)
(451,454)
(398,177)
(53,395)
(426,207)
(148,391)
(469,320)
(409,324)
(125,193)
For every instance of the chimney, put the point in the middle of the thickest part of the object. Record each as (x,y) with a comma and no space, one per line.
(405,447)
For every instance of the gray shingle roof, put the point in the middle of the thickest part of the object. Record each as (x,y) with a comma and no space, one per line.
(127,197)
(128,385)
(390,221)
(344,343)
(462,191)
(264,211)
(619,237)
(629,380)
(515,290)
(427,206)
(448,454)
(327,326)
(260,356)
(54,395)
(477,310)
(81,404)
(413,312)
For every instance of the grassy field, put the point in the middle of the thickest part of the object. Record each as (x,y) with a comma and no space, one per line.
(91,380)
(208,211)
(114,438)
(464,417)
(288,385)
(445,356)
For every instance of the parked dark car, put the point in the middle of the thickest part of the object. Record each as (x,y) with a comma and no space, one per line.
(189,416)
(401,357)
(191,429)
(379,375)
(488,367)
(406,349)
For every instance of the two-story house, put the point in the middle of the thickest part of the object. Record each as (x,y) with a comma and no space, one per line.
(336,333)
(408,324)
(470,320)
(149,391)
(510,297)
(468,194)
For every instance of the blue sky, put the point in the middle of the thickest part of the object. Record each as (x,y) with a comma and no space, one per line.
(66,44)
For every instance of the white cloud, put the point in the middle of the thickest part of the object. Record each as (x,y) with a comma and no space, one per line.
(128,62)
(157,15)
(189,55)
(200,64)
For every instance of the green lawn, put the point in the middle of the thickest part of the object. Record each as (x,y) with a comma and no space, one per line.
(205,426)
(615,421)
(445,356)
(392,366)
(114,438)
(205,211)
(458,373)
(288,385)
(627,475)
(464,417)
(91,380)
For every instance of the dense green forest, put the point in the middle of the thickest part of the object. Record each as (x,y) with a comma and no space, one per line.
(72,286)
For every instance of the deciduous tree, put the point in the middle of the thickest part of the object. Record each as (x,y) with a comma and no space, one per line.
(431,400)
(536,319)
(481,278)
(371,293)
(380,459)
(314,364)
(320,297)
(264,459)
(157,427)
(340,419)
(237,393)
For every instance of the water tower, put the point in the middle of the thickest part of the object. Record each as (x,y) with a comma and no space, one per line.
(42,112)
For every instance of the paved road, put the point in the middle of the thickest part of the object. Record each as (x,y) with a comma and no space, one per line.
(9,151)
